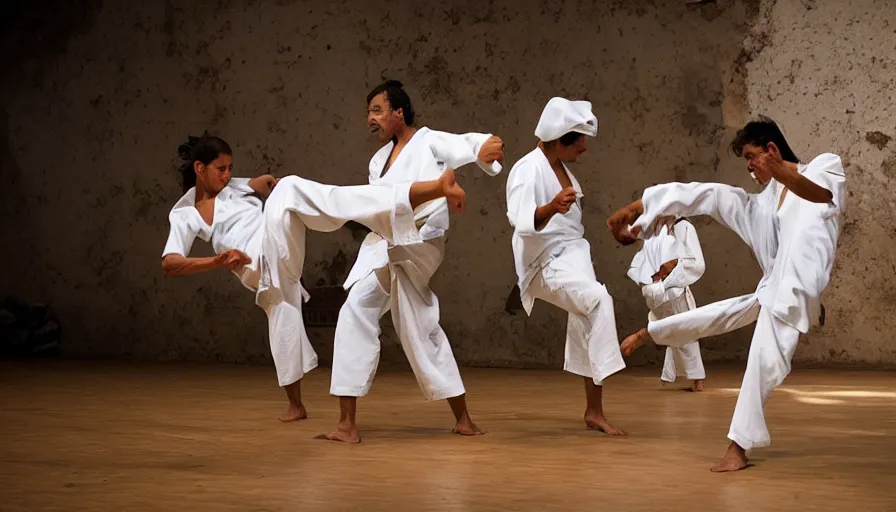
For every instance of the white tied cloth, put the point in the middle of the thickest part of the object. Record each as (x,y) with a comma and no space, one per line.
(561,116)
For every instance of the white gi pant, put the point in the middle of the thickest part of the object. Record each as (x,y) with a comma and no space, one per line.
(403,288)
(686,358)
(592,343)
(768,363)
(294,205)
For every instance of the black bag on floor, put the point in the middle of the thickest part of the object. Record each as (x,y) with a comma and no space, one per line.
(27,329)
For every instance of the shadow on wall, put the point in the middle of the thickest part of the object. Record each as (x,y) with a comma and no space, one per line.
(31,33)
(42,29)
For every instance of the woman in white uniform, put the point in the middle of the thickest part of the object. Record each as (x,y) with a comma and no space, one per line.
(263,243)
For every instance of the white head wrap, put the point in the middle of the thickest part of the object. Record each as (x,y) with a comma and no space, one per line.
(561,116)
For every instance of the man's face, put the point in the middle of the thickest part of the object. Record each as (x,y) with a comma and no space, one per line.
(572,152)
(381,119)
(755,163)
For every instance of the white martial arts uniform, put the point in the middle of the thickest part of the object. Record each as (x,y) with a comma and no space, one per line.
(273,236)
(389,277)
(554,264)
(673,294)
(795,246)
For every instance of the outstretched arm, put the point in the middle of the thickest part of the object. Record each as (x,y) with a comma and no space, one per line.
(446,186)
(459,150)
(659,204)
(179,265)
(622,219)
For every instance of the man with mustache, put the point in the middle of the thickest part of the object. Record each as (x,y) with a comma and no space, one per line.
(386,277)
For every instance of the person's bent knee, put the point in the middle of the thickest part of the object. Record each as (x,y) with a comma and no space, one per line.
(602,295)
(595,296)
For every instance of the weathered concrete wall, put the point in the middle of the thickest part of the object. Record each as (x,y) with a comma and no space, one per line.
(92,123)
(827,70)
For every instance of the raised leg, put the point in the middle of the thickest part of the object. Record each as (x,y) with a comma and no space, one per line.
(592,346)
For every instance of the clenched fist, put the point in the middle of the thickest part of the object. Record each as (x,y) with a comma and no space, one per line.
(492,150)
(562,202)
(232,259)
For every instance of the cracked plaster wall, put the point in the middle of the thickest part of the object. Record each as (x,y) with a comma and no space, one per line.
(96,99)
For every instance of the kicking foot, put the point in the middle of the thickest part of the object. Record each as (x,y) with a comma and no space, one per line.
(466,427)
(294,413)
(735,459)
(597,421)
(344,434)
(698,385)
(634,341)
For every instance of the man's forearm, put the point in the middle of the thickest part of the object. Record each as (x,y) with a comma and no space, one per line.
(807,189)
(181,266)
(426,191)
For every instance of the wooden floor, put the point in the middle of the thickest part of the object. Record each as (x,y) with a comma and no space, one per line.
(121,436)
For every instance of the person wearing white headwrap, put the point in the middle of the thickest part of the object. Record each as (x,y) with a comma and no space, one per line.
(551,255)
(792,227)
(665,268)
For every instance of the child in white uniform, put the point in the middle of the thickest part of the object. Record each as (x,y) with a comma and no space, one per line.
(665,268)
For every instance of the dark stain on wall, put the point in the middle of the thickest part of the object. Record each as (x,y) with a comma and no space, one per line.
(878,139)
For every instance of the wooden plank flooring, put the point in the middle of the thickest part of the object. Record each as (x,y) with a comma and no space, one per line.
(125,436)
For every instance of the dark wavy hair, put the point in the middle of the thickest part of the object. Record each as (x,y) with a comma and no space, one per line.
(759,133)
(397,97)
(568,139)
(204,149)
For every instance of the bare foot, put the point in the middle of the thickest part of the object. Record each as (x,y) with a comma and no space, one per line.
(634,341)
(735,459)
(597,421)
(293,413)
(698,385)
(344,434)
(466,427)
